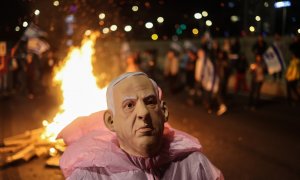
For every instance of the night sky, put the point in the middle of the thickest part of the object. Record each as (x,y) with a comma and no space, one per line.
(175,13)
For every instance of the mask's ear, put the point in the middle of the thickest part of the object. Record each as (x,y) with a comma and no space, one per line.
(164,109)
(108,120)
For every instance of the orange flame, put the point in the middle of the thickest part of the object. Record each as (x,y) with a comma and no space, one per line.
(81,95)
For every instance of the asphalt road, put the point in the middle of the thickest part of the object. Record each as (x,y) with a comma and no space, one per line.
(244,144)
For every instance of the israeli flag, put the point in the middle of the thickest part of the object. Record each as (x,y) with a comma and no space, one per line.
(33,31)
(274,59)
(206,74)
(37,46)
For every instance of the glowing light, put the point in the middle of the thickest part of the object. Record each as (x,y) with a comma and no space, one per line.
(113,27)
(179,31)
(204,13)
(149,25)
(183,26)
(208,23)
(195,31)
(25,24)
(81,95)
(257,18)
(101,16)
(282,4)
(231,4)
(45,123)
(160,19)
(56,3)
(154,37)
(197,16)
(101,23)
(234,18)
(251,28)
(17,28)
(299,31)
(52,151)
(127,28)
(266,4)
(105,30)
(88,32)
(135,8)
(37,12)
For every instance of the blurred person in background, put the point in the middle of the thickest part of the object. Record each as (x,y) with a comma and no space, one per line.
(234,55)
(14,70)
(31,75)
(226,47)
(148,62)
(48,64)
(295,46)
(292,77)
(214,51)
(241,67)
(21,77)
(257,70)
(223,71)
(208,81)
(131,62)
(235,48)
(171,69)
(190,75)
(4,66)
(260,46)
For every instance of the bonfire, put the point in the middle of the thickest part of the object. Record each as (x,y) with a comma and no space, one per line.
(81,97)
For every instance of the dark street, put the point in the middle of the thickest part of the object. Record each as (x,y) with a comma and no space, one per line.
(244,144)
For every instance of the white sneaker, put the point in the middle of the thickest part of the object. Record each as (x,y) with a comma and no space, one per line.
(222,110)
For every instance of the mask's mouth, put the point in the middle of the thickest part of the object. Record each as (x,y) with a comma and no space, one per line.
(145,130)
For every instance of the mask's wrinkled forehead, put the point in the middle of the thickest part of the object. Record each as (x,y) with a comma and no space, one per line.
(109,93)
(124,76)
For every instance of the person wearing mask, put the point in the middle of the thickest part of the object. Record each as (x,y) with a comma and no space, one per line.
(136,142)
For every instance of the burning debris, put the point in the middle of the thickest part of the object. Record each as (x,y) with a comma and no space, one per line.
(29,144)
(81,97)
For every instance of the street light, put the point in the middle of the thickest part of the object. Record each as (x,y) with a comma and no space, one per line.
(37,12)
(149,25)
(284,5)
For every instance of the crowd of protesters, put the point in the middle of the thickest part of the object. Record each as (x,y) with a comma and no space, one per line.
(203,72)
(25,73)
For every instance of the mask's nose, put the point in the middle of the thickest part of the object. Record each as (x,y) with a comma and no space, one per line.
(142,110)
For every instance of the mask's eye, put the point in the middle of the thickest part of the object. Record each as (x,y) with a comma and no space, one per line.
(128,105)
(151,100)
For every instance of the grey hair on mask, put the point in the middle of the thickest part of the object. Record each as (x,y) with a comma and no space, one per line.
(109,92)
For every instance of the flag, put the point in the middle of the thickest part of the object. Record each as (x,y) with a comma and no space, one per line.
(206,74)
(33,31)
(37,46)
(274,59)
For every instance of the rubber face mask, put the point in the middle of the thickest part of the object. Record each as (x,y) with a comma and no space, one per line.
(138,120)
